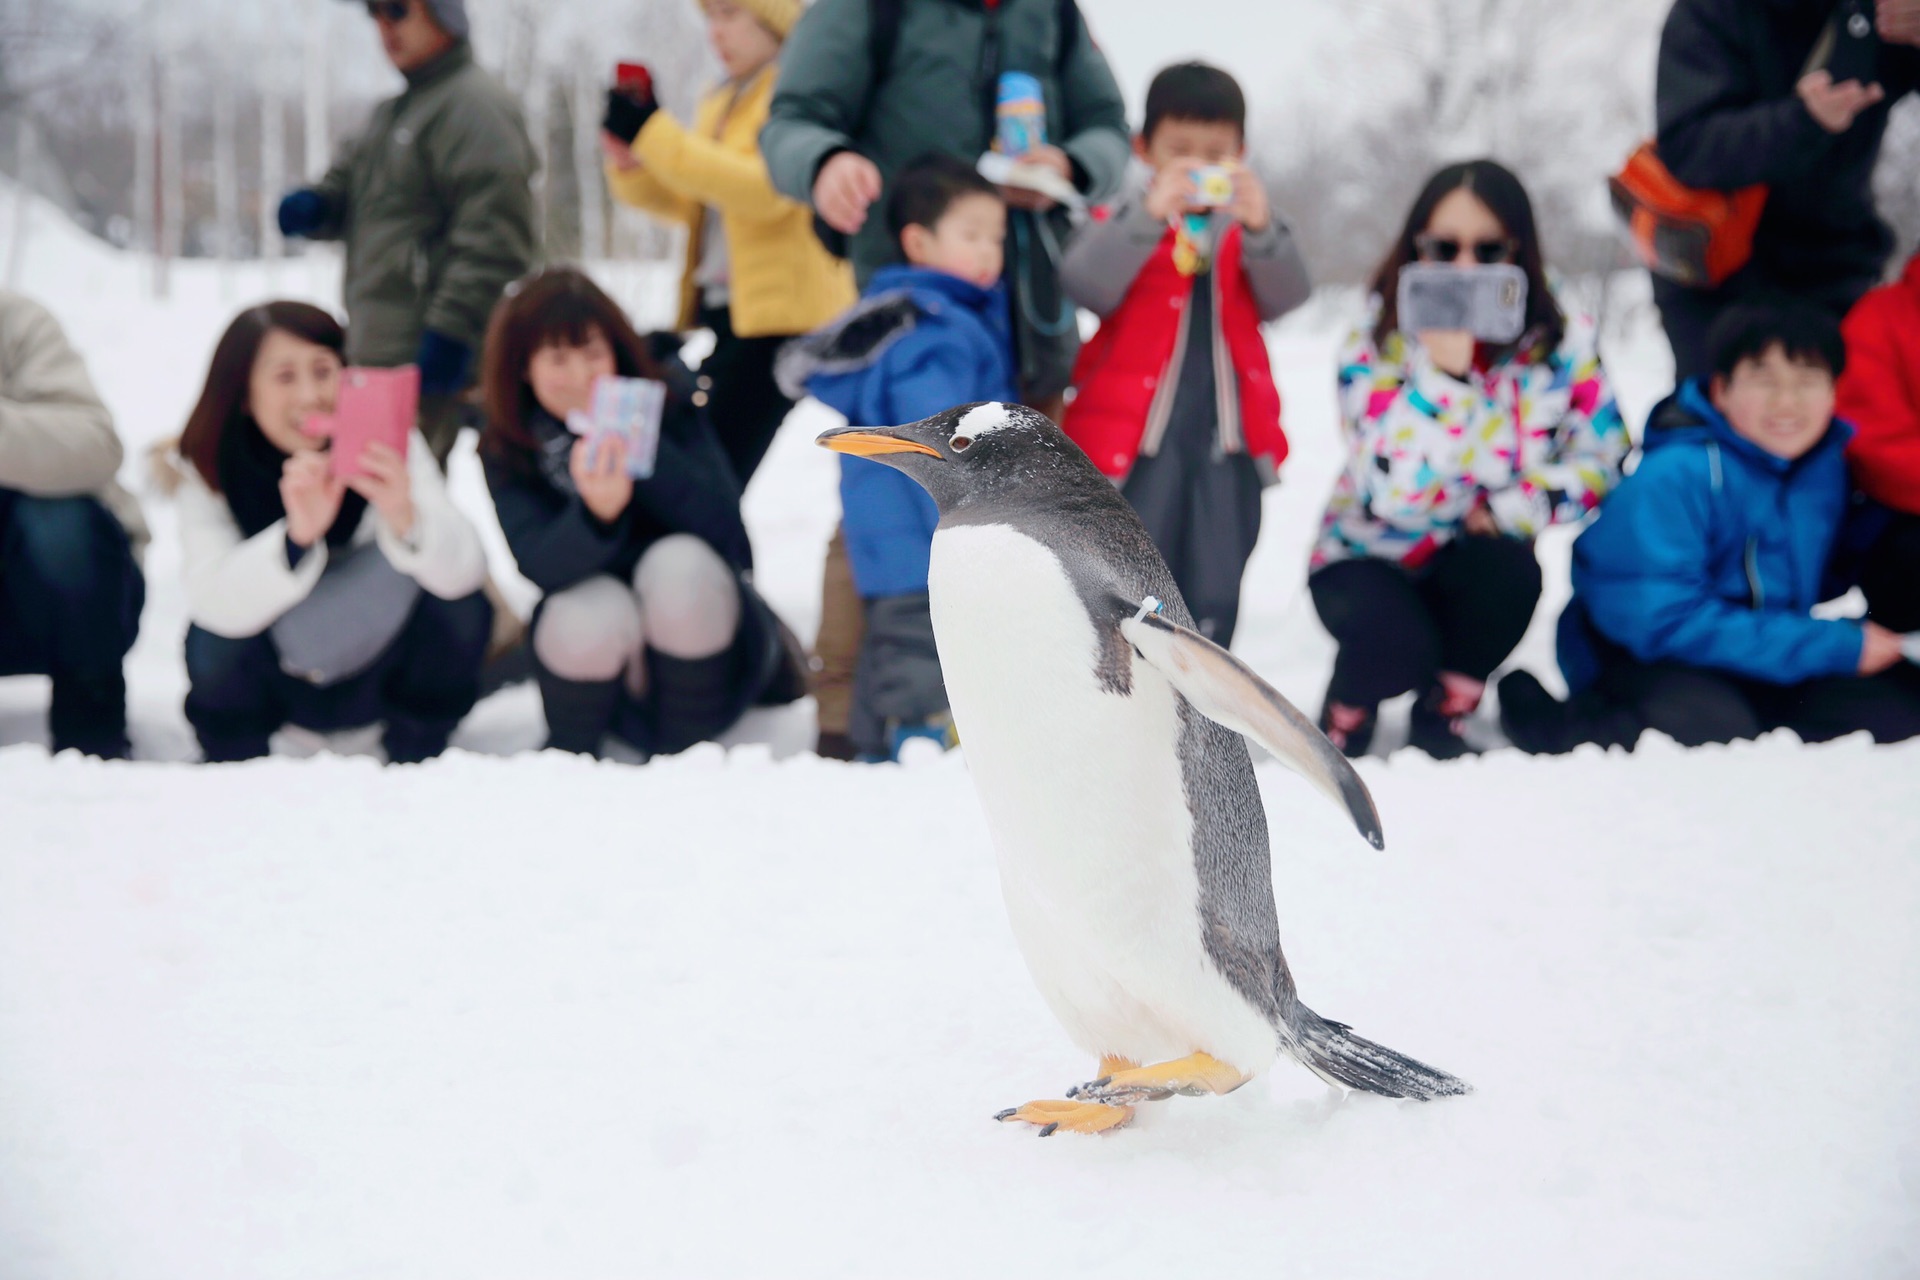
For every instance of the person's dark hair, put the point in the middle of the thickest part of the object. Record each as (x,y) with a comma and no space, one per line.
(1195,91)
(927,188)
(557,306)
(1496,187)
(222,406)
(1808,335)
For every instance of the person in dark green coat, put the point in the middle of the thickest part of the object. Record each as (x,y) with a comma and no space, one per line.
(841,127)
(435,204)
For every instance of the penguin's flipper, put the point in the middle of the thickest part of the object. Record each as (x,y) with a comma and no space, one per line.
(1227,690)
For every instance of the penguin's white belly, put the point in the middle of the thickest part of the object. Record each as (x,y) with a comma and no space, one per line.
(1083,792)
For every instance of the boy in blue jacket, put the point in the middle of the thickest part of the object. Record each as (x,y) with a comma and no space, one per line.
(925,337)
(1693,591)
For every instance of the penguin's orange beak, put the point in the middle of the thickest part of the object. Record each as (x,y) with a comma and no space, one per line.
(864,443)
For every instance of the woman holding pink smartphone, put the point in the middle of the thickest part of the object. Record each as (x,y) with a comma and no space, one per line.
(321,595)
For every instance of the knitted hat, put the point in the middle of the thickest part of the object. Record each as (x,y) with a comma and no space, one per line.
(450,16)
(777,16)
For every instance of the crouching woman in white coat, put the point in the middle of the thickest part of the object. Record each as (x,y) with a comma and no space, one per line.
(314,601)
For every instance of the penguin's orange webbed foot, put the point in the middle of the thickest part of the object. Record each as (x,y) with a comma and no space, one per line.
(1198,1073)
(1052,1115)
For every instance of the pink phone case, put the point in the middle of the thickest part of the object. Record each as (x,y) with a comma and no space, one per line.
(375,406)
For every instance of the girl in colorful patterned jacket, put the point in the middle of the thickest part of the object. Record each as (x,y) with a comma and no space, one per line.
(1460,453)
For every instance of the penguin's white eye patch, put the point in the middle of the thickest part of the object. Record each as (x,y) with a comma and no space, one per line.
(984,420)
(960,444)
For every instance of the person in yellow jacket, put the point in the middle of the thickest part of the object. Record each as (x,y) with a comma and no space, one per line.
(756,274)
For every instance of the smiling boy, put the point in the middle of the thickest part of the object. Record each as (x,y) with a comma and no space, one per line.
(1694,589)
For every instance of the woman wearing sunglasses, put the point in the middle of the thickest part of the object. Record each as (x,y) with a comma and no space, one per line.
(1459,453)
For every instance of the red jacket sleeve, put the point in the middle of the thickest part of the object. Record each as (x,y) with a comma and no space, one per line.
(1880,395)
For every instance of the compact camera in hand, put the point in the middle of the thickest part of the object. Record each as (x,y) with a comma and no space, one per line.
(1212,186)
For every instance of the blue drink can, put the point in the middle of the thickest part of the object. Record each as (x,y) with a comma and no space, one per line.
(1021,114)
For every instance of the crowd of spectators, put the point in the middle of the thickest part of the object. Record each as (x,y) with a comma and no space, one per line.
(900,206)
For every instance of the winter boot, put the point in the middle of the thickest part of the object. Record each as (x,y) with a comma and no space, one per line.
(1540,724)
(937,729)
(1440,716)
(691,700)
(89,714)
(1349,728)
(410,740)
(579,712)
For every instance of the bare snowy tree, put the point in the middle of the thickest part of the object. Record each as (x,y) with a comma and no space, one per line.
(1558,93)
(1896,182)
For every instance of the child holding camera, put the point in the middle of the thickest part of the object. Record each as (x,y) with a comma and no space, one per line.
(1175,396)
(1693,592)
(1462,446)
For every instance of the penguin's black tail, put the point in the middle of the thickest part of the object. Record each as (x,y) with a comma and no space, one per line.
(1331,1051)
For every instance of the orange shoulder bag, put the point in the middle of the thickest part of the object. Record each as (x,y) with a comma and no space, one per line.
(1692,237)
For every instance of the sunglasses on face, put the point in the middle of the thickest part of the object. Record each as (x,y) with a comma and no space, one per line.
(1447,249)
(388,11)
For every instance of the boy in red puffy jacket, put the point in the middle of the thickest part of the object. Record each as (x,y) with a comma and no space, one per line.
(1175,398)
(1880,395)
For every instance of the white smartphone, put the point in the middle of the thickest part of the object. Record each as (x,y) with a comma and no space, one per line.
(631,409)
(1487,300)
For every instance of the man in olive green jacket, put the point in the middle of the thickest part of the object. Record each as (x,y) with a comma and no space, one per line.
(841,127)
(70,586)
(435,204)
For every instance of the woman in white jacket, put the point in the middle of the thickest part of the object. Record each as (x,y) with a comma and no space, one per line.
(322,602)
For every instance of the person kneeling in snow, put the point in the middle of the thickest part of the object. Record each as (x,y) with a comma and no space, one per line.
(318,601)
(70,582)
(1693,590)
(1459,454)
(926,337)
(650,631)
(1880,395)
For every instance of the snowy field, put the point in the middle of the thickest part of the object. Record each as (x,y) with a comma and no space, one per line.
(747,1014)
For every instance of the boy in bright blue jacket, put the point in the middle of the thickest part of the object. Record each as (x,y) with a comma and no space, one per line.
(1693,591)
(925,337)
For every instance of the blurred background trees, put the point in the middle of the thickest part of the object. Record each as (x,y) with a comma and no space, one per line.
(175,125)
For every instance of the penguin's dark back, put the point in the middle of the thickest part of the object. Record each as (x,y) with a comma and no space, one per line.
(1054,494)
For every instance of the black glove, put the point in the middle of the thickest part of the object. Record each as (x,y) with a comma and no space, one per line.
(627,114)
(303,212)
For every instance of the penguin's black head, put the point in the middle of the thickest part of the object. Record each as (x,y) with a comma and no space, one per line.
(972,450)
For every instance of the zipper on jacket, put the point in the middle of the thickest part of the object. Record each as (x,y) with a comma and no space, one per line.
(1226,386)
(1161,410)
(1757,592)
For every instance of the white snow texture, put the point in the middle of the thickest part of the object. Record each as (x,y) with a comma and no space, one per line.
(747,1014)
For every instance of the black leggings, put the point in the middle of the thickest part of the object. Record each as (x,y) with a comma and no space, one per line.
(1890,575)
(1463,610)
(1694,706)
(744,403)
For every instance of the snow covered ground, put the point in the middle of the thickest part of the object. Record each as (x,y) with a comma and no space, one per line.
(748,1013)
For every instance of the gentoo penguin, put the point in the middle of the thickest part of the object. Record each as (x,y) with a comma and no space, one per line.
(1104,736)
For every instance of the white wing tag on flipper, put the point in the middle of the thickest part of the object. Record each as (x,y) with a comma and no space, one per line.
(1226,690)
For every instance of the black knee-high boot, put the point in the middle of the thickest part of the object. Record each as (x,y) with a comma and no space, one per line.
(579,712)
(691,700)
